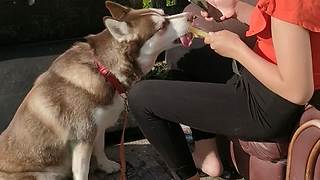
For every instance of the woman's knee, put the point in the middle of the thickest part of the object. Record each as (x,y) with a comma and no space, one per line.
(139,96)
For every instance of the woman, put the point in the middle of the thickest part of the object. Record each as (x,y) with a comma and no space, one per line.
(264,102)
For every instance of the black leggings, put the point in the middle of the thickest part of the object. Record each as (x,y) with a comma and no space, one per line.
(222,103)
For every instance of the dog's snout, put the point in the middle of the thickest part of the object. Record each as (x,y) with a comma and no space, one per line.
(191,17)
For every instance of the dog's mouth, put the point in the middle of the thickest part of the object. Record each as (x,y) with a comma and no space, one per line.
(185,40)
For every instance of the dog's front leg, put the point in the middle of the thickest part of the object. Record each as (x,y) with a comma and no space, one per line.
(81,161)
(103,162)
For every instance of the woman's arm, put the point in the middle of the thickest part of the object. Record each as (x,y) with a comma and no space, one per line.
(243,11)
(292,78)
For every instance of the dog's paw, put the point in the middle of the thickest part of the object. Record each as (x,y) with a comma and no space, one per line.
(109,166)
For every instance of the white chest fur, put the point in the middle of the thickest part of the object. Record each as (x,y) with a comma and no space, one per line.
(107,116)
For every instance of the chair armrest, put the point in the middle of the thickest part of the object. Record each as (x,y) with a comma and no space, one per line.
(303,151)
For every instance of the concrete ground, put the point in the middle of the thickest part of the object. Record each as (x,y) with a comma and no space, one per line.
(143,163)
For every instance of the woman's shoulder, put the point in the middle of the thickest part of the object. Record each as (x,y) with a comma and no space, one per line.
(305,13)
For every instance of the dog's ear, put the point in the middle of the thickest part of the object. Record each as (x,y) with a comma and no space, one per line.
(117,11)
(119,30)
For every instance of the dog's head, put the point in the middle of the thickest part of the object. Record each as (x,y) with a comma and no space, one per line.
(151,28)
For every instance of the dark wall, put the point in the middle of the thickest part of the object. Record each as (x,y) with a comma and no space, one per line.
(49,19)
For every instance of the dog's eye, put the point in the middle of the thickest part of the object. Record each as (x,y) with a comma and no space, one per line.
(164,25)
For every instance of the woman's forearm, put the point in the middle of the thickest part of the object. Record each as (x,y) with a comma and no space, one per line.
(243,11)
(292,76)
(270,75)
(266,72)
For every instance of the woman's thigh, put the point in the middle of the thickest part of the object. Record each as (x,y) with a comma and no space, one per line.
(209,107)
(202,65)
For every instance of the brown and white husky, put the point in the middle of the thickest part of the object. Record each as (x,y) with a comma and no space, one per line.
(62,120)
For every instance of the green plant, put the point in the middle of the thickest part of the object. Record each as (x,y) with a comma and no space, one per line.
(170,3)
(159,71)
(147,4)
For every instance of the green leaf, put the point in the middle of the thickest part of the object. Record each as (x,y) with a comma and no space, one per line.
(146,3)
(170,3)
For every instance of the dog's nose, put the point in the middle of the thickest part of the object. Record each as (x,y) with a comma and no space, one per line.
(191,18)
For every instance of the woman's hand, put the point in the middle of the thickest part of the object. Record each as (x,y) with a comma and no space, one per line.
(225,43)
(226,7)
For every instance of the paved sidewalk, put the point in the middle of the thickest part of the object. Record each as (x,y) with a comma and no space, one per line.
(143,163)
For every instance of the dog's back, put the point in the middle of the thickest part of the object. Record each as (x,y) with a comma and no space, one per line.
(71,104)
(47,122)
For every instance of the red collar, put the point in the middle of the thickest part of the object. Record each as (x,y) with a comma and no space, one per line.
(110,77)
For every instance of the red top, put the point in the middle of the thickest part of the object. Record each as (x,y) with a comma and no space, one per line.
(305,13)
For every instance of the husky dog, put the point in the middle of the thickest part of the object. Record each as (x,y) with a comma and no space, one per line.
(62,120)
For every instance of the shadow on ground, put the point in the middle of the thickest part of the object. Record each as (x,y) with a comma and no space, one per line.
(143,163)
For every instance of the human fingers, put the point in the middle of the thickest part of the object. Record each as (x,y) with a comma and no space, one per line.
(227,14)
(209,18)
(223,17)
(206,16)
(209,38)
(204,13)
(212,40)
